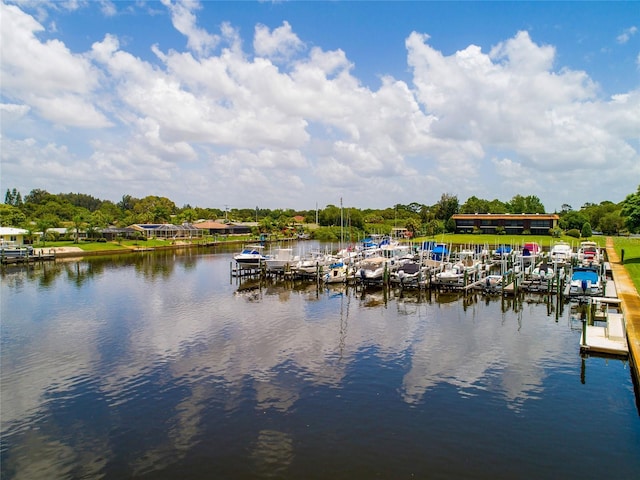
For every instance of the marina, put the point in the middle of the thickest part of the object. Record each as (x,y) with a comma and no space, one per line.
(582,277)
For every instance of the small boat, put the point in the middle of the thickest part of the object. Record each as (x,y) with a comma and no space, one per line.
(372,270)
(585,281)
(408,274)
(589,253)
(282,258)
(250,256)
(336,273)
(531,251)
(310,264)
(561,253)
(453,274)
(13,250)
(493,284)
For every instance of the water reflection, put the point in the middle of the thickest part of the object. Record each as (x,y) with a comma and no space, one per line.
(153,360)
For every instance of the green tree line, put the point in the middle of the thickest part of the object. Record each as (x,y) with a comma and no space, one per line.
(40,210)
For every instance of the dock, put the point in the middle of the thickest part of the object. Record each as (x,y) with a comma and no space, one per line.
(630,303)
(22,259)
(609,339)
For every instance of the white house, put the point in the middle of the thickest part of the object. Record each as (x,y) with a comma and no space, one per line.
(12,236)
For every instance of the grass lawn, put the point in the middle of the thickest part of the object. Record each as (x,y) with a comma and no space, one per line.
(631,247)
(106,246)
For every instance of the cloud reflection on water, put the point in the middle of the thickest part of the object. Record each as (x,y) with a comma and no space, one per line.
(190,334)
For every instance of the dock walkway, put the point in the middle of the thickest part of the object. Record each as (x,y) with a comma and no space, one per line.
(630,305)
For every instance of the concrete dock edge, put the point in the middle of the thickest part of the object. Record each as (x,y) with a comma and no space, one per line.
(630,302)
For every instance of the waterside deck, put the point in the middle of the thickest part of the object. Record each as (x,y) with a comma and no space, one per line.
(609,339)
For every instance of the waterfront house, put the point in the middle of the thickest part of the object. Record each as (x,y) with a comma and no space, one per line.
(167,230)
(512,223)
(210,227)
(13,236)
(113,233)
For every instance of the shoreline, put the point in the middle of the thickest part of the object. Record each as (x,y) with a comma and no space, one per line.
(77,252)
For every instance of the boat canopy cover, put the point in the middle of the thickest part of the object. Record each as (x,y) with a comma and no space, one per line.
(585,274)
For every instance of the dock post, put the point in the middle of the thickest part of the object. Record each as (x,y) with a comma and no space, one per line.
(385,275)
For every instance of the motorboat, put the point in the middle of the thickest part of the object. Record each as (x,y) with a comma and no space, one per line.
(13,250)
(530,253)
(372,270)
(561,253)
(453,274)
(589,253)
(337,272)
(250,256)
(408,274)
(493,283)
(311,263)
(585,281)
(281,258)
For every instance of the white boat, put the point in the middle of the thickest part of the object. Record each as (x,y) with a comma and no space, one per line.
(372,270)
(408,274)
(561,253)
(13,250)
(453,274)
(585,281)
(311,263)
(281,258)
(336,272)
(530,254)
(589,253)
(250,256)
(493,283)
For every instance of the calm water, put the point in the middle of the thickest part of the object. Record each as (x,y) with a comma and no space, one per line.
(162,366)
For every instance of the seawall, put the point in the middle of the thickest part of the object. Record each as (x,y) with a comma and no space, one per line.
(630,306)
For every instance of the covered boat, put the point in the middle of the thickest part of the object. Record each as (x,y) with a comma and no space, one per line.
(585,281)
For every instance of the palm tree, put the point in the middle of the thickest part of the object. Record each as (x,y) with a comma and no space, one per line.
(43,225)
(78,220)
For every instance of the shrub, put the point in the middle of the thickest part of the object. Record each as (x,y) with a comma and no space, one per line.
(586,230)
(574,232)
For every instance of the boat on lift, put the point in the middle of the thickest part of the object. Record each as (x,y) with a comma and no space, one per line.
(250,256)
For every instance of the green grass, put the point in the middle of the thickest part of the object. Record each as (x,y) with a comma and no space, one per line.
(115,245)
(631,247)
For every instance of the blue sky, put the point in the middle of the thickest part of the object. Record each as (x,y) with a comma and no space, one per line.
(298,104)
